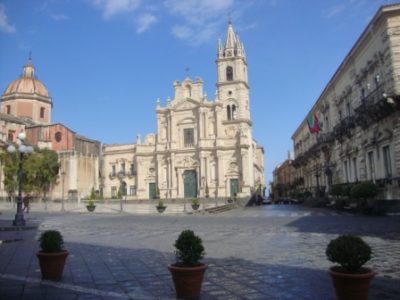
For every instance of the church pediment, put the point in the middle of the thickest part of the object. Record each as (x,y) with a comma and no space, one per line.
(185,104)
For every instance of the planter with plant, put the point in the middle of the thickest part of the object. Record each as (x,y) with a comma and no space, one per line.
(365,193)
(90,206)
(161,206)
(350,279)
(52,256)
(195,204)
(188,273)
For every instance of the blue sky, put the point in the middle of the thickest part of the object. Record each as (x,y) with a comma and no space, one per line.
(105,62)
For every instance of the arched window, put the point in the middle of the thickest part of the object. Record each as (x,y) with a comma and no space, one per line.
(229,73)
(228,112)
(233,112)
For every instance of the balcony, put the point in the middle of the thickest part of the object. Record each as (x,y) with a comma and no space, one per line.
(131,173)
(325,139)
(344,128)
(375,107)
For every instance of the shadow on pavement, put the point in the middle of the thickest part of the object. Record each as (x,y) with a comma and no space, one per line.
(111,272)
(382,227)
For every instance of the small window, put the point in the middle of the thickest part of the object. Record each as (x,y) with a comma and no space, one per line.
(123,168)
(387,161)
(10,136)
(229,73)
(188,136)
(228,112)
(113,191)
(132,190)
(371,164)
(42,110)
(58,136)
(233,112)
(8,108)
(113,171)
(132,169)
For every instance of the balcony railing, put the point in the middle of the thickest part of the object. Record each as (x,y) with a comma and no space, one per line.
(375,107)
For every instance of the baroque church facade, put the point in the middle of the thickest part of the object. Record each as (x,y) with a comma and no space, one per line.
(201,146)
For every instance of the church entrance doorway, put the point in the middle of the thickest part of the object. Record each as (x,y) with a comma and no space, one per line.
(234,187)
(190,183)
(152,190)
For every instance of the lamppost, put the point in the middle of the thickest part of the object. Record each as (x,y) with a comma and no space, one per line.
(62,192)
(120,177)
(22,149)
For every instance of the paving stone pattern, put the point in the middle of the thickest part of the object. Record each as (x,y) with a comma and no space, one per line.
(267,252)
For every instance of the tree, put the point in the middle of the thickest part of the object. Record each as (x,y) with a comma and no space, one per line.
(10,170)
(41,169)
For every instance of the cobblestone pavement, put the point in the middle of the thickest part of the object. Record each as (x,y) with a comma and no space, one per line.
(268,252)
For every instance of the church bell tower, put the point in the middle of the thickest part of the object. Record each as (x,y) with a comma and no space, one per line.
(232,81)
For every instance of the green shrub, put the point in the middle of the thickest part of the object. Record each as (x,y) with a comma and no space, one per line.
(160,203)
(195,201)
(364,190)
(349,251)
(51,241)
(189,249)
(336,190)
(90,203)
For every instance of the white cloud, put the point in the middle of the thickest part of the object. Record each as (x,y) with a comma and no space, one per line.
(144,21)
(110,8)
(201,18)
(4,25)
(59,17)
(198,11)
(334,10)
(182,32)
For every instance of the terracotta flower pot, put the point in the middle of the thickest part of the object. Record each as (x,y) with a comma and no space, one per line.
(349,286)
(52,264)
(188,280)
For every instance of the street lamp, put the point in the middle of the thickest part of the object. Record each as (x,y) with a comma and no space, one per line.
(22,149)
(62,192)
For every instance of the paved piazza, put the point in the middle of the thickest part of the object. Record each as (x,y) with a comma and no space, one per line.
(268,252)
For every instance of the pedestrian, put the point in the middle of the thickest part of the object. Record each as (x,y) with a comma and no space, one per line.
(26,204)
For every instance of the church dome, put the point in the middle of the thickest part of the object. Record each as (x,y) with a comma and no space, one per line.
(27,83)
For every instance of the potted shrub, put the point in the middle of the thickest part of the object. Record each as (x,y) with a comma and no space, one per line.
(90,206)
(207,192)
(350,279)
(195,204)
(187,272)
(52,256)
(363,192)
(160,206)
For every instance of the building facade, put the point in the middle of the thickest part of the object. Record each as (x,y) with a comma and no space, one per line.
(352,132)
(200,144)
